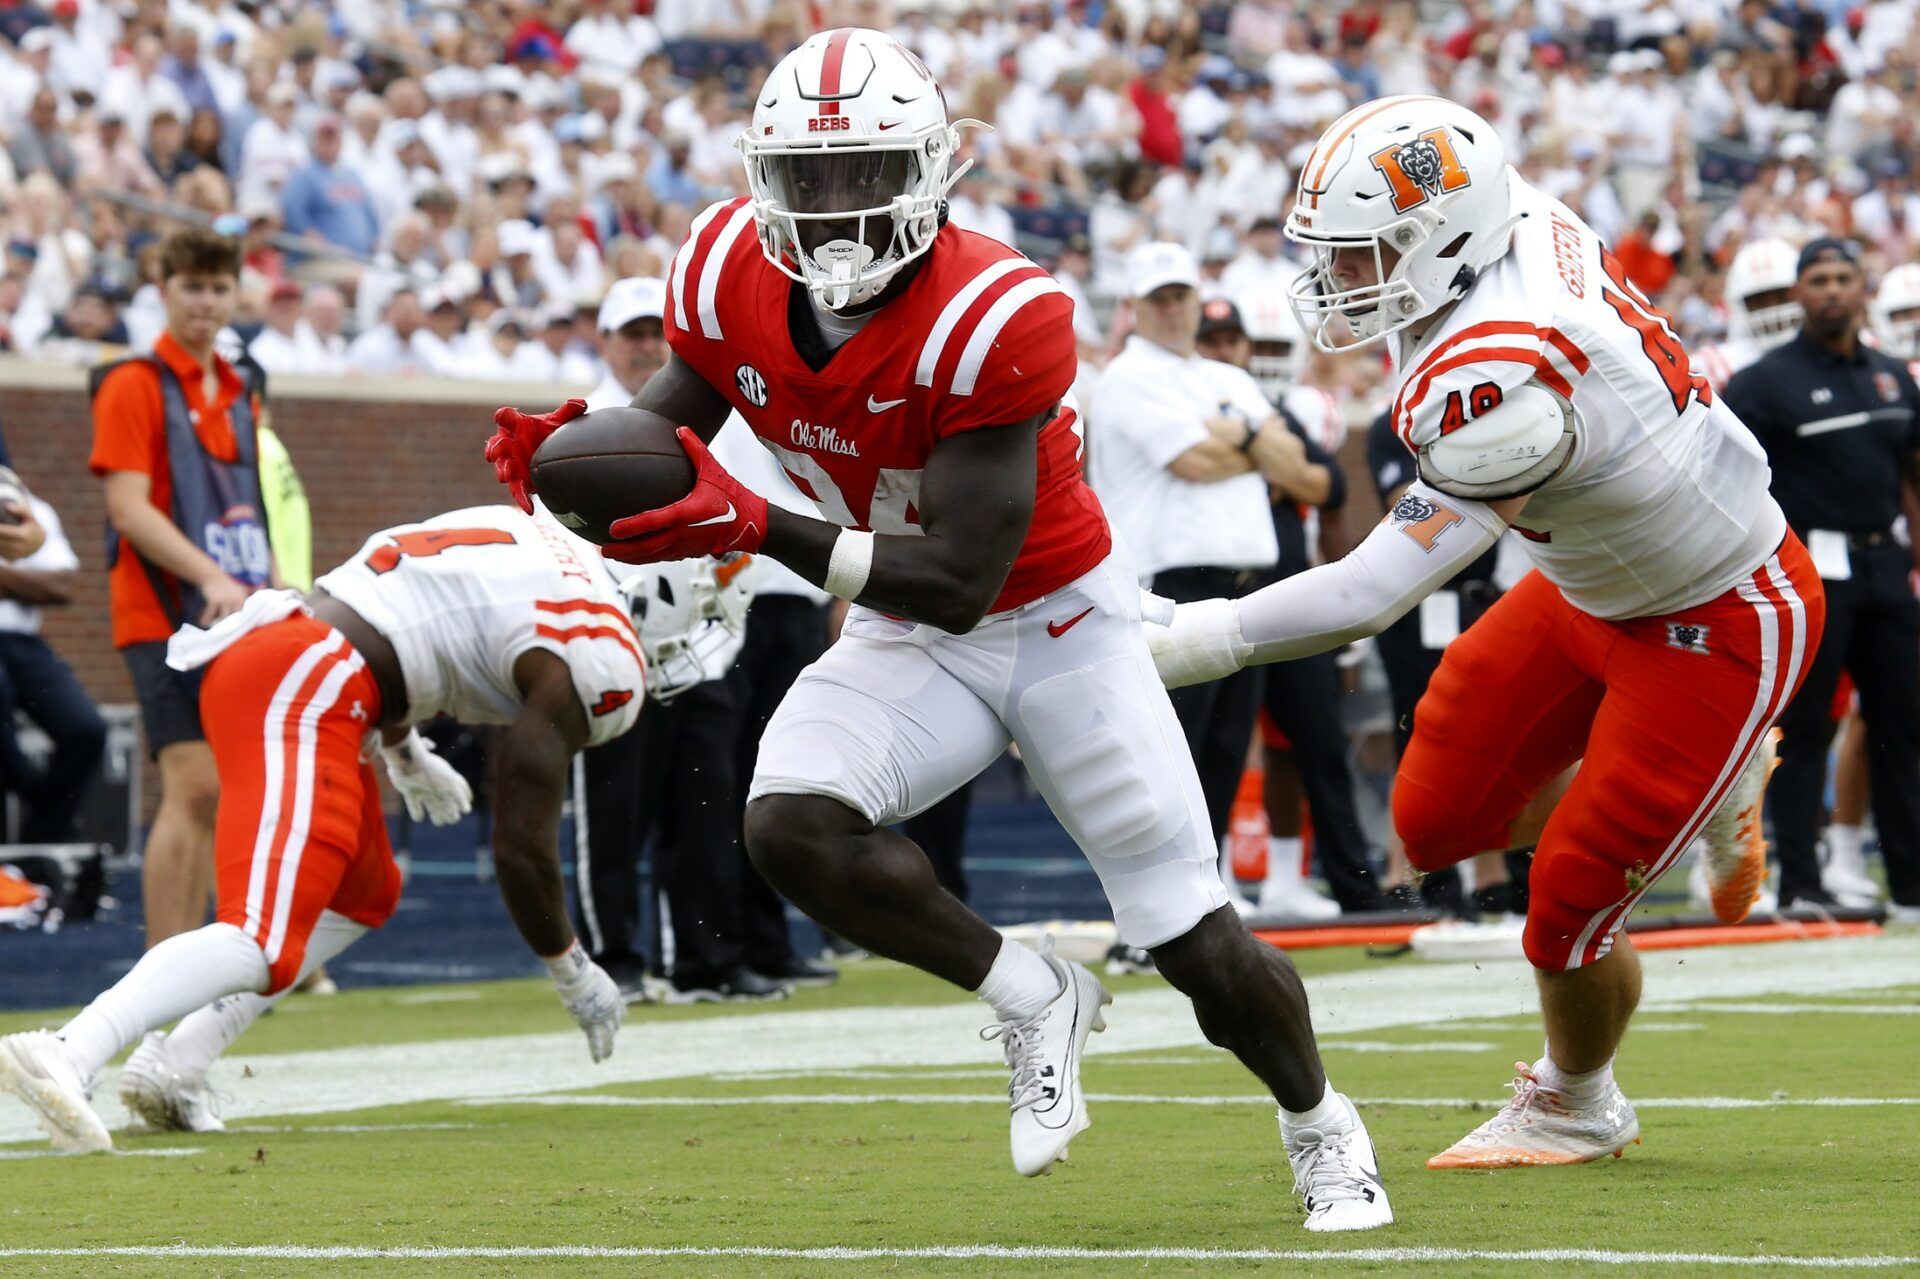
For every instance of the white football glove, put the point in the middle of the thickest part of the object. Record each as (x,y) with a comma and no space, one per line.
(434,790)
(591,996)
(1203,642)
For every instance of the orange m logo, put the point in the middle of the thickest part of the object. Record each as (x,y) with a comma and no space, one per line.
(1418,170)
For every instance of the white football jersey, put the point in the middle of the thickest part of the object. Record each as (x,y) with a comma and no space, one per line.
(461,596)
(1663,503)
(1719,362)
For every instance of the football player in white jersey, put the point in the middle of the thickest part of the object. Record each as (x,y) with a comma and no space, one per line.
(1895,314)
(486,615)
(1761,312)
(1670,616)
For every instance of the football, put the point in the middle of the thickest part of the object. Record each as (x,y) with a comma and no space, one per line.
(610,464)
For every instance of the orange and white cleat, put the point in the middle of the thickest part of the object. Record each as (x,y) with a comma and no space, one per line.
(1735,847)
(1540,1126)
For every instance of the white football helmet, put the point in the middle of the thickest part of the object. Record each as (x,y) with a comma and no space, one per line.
(1896,312)
(691,615)
(1419,179)
(1762,267)
(847,161)
(1279,357)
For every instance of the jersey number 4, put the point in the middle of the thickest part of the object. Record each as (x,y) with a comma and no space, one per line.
(427,542)
(1657,337)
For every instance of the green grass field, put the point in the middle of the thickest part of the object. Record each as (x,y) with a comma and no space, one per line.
(1779,1089)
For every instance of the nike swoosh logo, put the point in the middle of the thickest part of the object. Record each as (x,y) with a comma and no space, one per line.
(725,517)
(1057,629)
(881,406)
(889,124)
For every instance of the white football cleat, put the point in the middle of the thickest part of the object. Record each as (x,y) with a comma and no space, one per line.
(1735,851)
(169,1101)
(1337,1175)
(34,1067)
(1043,1052)
(1539,1127)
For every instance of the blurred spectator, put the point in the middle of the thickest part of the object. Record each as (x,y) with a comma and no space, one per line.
(326,200)
(110,159)
(272,149)
(90,317)
(39,143)
(287,343)
(182,66)
(166,152)
(387,347)
(34,680)
(1641,256)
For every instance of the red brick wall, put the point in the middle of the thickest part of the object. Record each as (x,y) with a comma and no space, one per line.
(371,452)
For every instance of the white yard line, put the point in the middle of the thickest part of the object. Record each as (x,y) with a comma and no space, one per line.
(169,1152)
(991,1252)
(1795,1010)
(1150,1099)
(362,1076)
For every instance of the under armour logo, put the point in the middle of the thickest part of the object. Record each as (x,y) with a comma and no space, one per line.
(359,712)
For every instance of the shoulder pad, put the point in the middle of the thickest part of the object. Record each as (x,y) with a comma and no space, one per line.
(1511,449)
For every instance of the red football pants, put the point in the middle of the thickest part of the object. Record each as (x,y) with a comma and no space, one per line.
(1662,713)
(300,828)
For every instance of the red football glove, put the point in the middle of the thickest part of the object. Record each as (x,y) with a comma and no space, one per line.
(720,516)
(518,437)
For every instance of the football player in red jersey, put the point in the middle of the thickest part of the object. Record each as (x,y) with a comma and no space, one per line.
(910,377)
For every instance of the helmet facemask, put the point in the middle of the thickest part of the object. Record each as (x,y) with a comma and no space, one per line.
(843,218)
(1371,311)
(1769,324)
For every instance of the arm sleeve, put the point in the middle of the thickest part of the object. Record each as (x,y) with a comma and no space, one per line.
(1426,539)
(126,417)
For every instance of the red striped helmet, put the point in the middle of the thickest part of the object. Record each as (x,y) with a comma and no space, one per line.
(848,162)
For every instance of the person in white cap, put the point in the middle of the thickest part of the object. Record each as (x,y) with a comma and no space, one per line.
(633,341)
(1183,451)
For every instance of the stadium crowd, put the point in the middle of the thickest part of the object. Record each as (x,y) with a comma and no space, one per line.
(446,190)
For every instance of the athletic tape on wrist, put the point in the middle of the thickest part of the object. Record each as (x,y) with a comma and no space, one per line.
(850,564)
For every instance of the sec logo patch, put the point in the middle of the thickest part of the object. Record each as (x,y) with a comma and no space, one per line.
(752,385)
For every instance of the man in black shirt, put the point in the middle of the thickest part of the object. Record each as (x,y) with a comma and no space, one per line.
(1840,423)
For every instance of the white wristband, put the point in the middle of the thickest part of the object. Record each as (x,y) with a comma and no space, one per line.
(850,564)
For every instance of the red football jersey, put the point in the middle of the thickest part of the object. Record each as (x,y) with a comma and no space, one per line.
(981,337)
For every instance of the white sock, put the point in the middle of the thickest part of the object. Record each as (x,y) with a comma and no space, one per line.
(197,1042)
(1578,1089)
(179,975)
(1020,983)
(1283,858)
(1329,1112)
(1846,842)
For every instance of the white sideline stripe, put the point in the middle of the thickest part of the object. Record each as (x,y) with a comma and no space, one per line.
(985,1252)
(1872,1010)
(1389,1046)
(364,1076)
(1113,1098)
(171,1152)
(358,1127)
(441,996)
